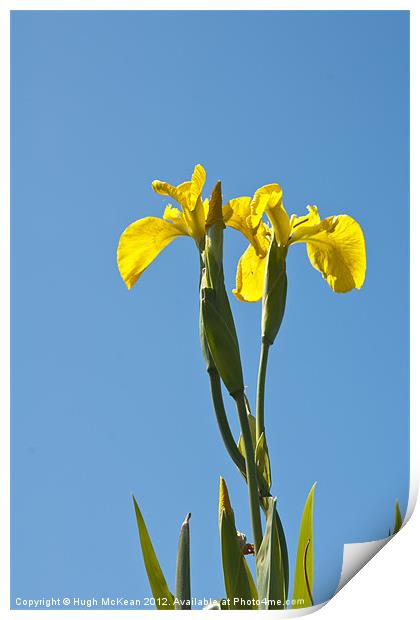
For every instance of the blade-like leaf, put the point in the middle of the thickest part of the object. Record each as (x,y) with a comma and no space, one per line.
(270,574)
(239,584)
(183,578)
(163,597)
(262,461)
(398,518)
(252,426)
(304,569)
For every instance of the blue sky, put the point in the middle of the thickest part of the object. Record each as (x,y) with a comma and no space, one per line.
(109,392)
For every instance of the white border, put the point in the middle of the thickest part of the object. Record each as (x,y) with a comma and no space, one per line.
(388,584)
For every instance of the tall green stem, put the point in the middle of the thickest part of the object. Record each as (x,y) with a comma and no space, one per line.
(222,421)
(260,426)
(239,460)
(251,470)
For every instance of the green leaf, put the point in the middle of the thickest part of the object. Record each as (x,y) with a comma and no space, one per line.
(253,428)
(163,597)
(398,518)
(239,583)
(262,461)
(270,574)
(304,569)
(183,577)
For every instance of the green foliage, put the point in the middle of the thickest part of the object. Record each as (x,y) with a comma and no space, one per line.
(304,569)
(398,518)
(263,461)
(163,597)
(239,584)
(270,573)
(183,576)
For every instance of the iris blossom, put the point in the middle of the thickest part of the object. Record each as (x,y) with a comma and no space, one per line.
(143,240)
(335,245)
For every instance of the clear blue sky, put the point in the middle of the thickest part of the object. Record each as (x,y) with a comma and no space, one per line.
(109,392)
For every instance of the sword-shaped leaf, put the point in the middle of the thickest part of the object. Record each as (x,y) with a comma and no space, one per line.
(304,569)
(163,597)
(183,578)
(398,518)
(262,461)
(270,573)
(239,584)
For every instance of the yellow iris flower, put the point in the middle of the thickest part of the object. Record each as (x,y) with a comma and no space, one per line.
(143,240)
(335,245)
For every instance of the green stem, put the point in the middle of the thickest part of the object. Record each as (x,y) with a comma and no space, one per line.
(239,460)
(222,421)
(251,470)
(260,427)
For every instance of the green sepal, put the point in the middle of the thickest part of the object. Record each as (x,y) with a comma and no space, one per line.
(163,597)
(270,573)
(398,518)
(304,569)
(275,291)
(183,574)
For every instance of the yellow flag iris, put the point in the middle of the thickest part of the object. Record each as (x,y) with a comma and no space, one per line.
(335,245)
(143,240)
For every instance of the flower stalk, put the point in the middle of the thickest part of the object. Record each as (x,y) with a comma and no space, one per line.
(251,470)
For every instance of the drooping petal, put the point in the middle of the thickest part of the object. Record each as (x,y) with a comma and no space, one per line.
(140,244)
(236,213)
(250,276)
(336,248)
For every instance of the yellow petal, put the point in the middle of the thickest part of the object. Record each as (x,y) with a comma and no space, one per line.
(305,225)
(336,248)
(236,213)
(139,245)
(174,215)
(269,198)
(183,193)
(197,183)
(250,276)
(267,195)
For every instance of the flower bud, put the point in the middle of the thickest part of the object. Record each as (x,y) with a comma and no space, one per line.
(216,319)
(275,290)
